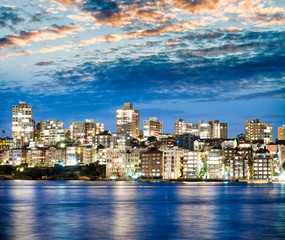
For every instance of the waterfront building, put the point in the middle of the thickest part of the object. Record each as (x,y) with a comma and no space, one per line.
(239,169)
(55,155)
(36,157)
(16,156)
(128,120)
(255,130)
(152,127)
(215,164)
(281,154)
(152,164)
(23,125)
(281,133)
(101,155)
(115,163)
(74,155)
(172,161)
(262,165)
(103,138)
(84,132)
(51,131)
(88,155)
(133,162)
(228,153)
(192,164)
(4,157)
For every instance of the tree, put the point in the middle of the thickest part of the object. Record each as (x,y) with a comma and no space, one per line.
(204,169)
(240,136)
(283,166)
(3,132)
(140,137)
(152,139)
(100,146)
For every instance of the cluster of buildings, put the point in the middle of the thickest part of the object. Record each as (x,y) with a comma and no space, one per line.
(196,150)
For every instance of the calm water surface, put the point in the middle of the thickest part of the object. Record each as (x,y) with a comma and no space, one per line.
(130,210)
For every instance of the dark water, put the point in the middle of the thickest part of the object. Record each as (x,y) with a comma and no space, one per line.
(130,210)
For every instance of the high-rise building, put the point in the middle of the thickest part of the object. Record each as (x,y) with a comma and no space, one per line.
(152,127)
(52,131)
(84,132)
(254,130)
(205,130)
(182,127)
(128,120)
(281,133)
(23,125)
(218,130)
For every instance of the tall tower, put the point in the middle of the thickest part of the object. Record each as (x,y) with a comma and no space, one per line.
(281,133)
(255,130)
(152,127)
(219,130)
(128,120)
(23,125)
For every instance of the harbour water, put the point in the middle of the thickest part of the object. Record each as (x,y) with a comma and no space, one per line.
(136,210)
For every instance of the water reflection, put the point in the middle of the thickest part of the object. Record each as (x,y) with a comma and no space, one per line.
(124,219)
(22,212)
(130,210)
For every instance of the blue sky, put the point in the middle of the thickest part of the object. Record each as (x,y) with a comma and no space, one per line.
(190,59)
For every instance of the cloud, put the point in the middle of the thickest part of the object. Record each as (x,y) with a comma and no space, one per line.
(244,67)
(56,48)
(41,16)
(9,17)
(44,63)
(14,54)
(232,29)
(24,37)
(197,6)
(66,3)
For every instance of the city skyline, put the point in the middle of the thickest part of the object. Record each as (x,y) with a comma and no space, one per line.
(197,60)
(141,126)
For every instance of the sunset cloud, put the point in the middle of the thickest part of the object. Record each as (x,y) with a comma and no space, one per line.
(56,48)
(14,54)
(197,6)
(22,39)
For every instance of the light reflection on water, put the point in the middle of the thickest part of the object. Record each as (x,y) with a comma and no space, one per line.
(131,210)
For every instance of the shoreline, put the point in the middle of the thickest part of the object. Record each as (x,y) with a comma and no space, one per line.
(7,178)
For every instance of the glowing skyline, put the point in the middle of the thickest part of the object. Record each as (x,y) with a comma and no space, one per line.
(73,60)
